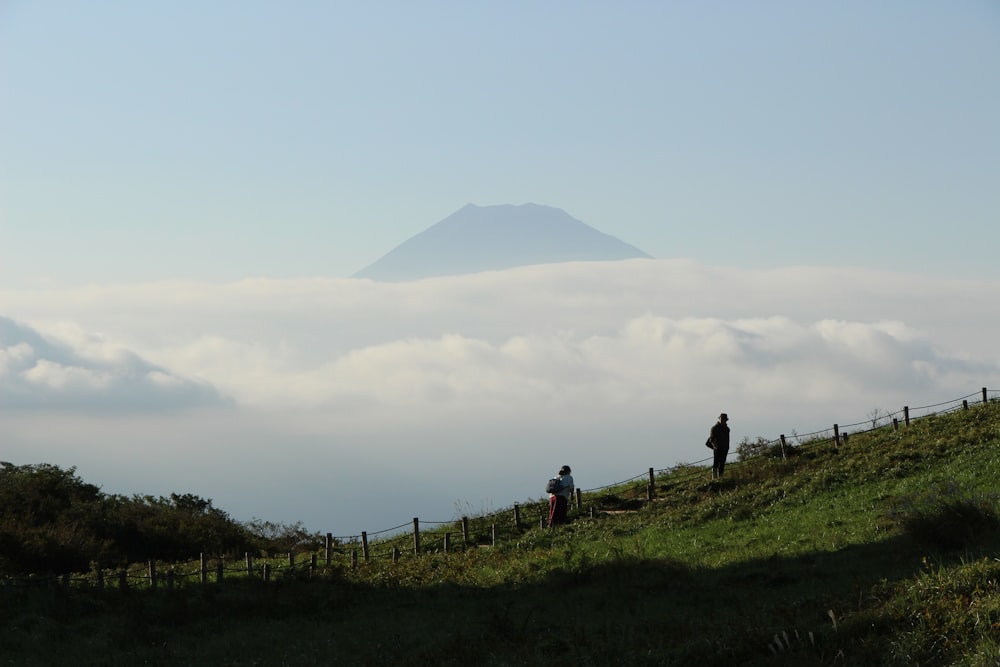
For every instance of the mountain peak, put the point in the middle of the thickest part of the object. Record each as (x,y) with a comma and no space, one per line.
(488,238)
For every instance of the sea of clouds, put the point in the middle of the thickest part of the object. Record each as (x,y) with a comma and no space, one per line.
(354,405)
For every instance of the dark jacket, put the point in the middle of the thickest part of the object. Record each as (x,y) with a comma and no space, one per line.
(719,436)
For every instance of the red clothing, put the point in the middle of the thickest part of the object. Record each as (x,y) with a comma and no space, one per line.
(558,506)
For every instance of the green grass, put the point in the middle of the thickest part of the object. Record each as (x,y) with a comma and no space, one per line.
(884,552)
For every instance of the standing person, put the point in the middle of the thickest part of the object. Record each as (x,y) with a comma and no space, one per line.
(559,500)
(718,437)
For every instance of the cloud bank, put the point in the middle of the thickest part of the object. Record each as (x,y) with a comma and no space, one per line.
(612,367)
(74,370)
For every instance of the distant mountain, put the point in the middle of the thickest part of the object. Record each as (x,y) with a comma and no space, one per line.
(487,238)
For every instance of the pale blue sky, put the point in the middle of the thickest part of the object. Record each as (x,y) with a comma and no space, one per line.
(157,157)
(220,140)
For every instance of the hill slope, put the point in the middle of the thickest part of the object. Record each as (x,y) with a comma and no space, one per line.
(485,238)
(882,551)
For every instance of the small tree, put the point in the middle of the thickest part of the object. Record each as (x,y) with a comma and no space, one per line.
(759,447)
(278,538)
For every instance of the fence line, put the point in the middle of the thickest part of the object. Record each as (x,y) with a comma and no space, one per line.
(477,531)
(813,437)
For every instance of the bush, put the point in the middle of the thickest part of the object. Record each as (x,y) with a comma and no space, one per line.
(174,528)
(47,522)
(759,447)
(279,538)
(52,521)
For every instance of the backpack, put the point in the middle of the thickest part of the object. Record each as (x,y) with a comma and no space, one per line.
(553,485)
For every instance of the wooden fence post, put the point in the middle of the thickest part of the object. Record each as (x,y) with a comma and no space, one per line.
(312,565)
(354,559)
(329,548)
(906,415)
(364,545)
(845,438)
(416,535)
(493,533)
(447,542)
(267,572)
(204,569)
(895,424)
(395,554)
(984,396)
(836,436)
(579,498)
(152,574)
(541,521)
(465,530)
(249,559)
(291,559)
(651,487)
(782,446)
(517,515)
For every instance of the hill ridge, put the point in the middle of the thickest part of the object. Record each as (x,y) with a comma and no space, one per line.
(879,551)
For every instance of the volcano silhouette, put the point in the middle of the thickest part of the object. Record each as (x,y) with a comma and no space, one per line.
(490,238)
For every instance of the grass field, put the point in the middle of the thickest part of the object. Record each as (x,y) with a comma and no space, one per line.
(885,551)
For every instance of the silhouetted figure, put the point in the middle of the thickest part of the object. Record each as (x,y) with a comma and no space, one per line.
(718,438)
(559,500)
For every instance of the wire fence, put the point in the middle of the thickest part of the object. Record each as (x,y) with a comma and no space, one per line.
(440,537)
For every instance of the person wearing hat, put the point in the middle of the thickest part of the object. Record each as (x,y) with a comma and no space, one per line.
(559,501)
(718,439)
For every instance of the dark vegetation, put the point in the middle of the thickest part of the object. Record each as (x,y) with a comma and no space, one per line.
(51,521)
(885,551)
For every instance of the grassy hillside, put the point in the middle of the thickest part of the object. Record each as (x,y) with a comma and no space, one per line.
(882,552)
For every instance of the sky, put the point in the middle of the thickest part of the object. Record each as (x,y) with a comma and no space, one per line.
(185,189)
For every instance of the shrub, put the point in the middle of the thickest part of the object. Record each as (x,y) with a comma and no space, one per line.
(52,521)
(47,519)
(273,538)
(759,447)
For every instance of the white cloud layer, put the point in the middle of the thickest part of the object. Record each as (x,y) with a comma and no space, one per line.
(469,389)
(71,370)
